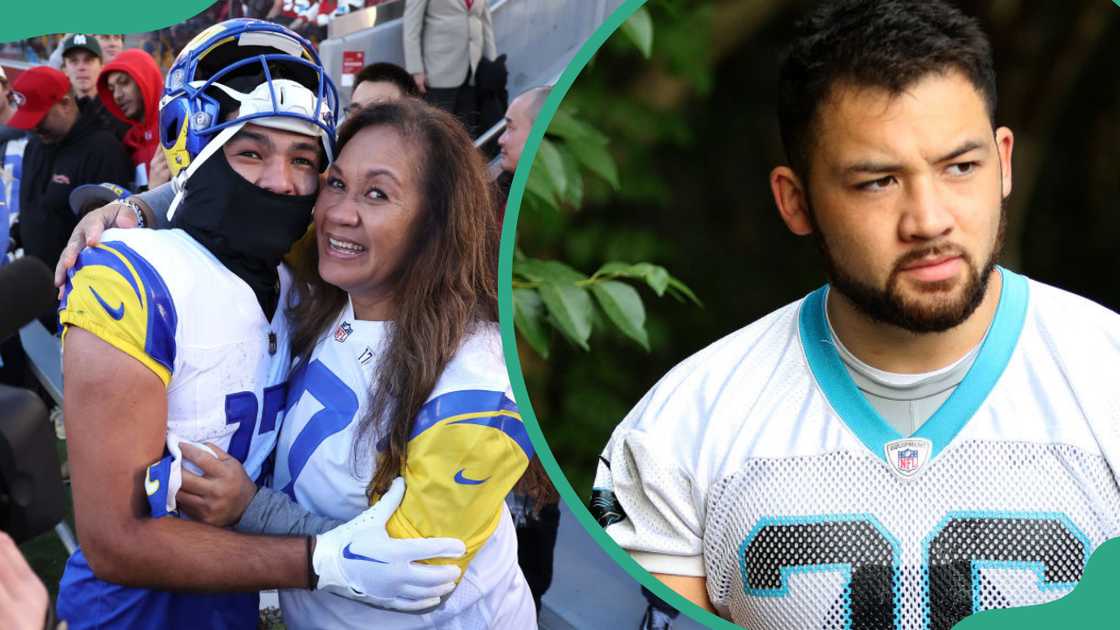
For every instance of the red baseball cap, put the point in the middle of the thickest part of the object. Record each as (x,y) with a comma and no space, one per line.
(37,90)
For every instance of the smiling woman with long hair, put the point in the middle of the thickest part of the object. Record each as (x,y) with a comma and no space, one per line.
(400,368)
(428,261)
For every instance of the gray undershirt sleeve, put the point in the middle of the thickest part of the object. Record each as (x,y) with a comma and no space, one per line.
(273,512)
(159,200)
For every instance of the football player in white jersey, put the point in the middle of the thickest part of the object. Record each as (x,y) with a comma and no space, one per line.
(927,436)
(174,336)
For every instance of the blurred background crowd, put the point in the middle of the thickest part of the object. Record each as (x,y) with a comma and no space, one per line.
(310,19)
(61,95)
(119,94)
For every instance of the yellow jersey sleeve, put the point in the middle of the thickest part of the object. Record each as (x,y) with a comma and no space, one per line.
(467,450)
(114,293)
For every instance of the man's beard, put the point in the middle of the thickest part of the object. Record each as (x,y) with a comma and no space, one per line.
(889,305)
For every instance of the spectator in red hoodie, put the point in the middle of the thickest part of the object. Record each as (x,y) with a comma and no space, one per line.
(129,86)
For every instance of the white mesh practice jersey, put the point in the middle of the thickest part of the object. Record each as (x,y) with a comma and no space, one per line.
(164,299)
(467,449)
(757,464)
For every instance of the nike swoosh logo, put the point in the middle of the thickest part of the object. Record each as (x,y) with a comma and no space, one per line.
(151,486)
(115,313)
(466,481)
(349,555)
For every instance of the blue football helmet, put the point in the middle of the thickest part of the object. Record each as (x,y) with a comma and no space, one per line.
(217,71)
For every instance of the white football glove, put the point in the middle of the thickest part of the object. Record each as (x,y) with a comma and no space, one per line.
(358,560)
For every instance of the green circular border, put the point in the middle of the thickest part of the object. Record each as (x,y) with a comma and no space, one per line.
(509,336)
(30,19)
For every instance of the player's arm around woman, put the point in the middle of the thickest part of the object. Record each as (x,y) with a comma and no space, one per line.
(396,315)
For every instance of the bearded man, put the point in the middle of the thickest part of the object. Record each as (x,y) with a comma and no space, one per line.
(926,436)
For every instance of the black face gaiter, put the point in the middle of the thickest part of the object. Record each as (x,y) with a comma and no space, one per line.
(246,227)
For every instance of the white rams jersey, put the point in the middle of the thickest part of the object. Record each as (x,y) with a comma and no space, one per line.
(164,299)
(467,449)
(757,464)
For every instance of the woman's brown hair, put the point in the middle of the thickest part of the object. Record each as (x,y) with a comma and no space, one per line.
(447,286)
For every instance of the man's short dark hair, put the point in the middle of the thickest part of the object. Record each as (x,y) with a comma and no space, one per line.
(389,73)
(887,44)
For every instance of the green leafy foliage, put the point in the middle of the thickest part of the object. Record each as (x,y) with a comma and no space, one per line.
(656,277)
(639,29)
(551,165)
(623,306)
(528,316)
(596,159)
(581,255)
(569,309)
(549,294)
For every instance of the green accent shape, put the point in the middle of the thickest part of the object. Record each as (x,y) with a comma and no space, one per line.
(509,337)
(1091,604)
(29,19)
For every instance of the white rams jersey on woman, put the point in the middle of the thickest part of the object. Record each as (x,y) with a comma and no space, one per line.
(757,464)
(468,447)
(164,299)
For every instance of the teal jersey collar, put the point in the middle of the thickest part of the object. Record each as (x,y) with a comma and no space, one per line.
(858,414)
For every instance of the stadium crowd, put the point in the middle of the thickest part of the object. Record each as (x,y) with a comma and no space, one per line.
(306,17)
(88,144)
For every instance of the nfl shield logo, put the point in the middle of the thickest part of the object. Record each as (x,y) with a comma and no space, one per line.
(907,456)
(342,332)
(908,459)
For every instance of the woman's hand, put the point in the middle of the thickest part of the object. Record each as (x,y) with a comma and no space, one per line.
(88,233)
(421,79)
(220,496)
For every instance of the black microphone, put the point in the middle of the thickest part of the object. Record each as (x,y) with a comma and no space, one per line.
(27,291)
